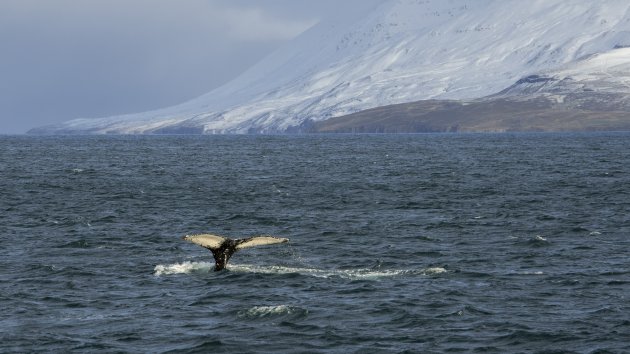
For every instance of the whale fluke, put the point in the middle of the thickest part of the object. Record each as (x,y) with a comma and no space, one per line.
(205,240)
(259,241)
(223,248)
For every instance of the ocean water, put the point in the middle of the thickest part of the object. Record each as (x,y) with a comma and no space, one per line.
(398,244)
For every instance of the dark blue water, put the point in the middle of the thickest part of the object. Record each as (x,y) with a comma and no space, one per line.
(419,243)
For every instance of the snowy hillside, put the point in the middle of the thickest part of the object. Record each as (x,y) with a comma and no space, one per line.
(403,51)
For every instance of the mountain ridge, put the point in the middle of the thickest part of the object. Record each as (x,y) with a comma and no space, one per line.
(403,51)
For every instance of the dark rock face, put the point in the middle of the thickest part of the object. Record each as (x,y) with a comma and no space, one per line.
(532,79)
(579,112)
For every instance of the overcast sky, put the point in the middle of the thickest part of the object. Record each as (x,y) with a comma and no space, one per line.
(65,59)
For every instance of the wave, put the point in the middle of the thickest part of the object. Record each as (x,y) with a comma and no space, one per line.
(536,241)
(353,274)
(527,272)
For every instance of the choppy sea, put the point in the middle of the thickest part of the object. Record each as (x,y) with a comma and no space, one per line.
(398,243)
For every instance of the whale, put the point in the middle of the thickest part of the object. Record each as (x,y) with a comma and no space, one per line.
(223,248)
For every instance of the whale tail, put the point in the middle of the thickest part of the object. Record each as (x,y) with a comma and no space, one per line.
(223,248)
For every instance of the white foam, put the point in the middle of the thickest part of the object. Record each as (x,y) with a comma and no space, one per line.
(182,268)
(263,311)
(353,274)
(435,270)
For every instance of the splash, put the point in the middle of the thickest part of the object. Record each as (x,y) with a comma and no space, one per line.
(182,268)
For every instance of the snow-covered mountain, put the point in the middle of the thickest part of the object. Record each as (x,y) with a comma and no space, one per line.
(590,94)
(404,51)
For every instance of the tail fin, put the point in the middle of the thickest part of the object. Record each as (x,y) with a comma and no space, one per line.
(222,247)
(206,240)
(259,241)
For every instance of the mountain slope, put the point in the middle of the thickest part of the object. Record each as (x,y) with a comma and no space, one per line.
(403,51)
(590,94)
